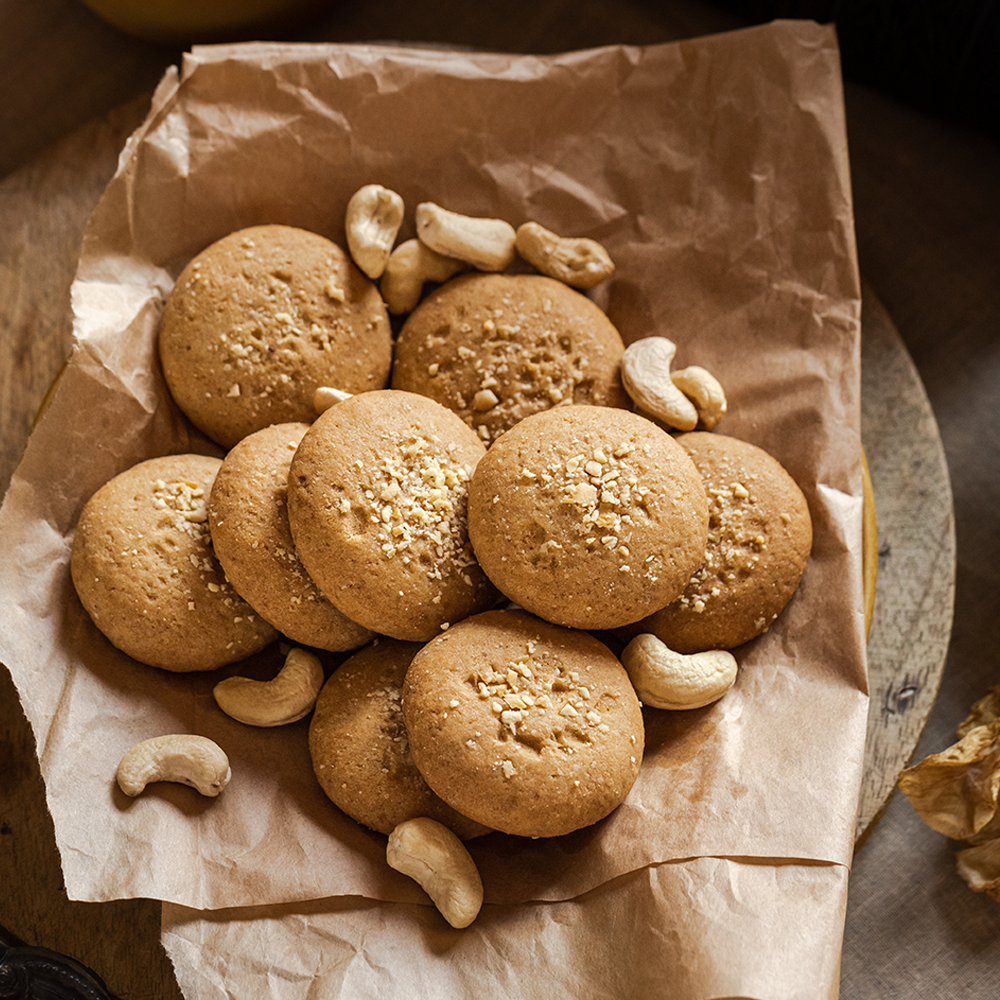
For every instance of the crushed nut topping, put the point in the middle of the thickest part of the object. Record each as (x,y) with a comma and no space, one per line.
(539,703)
(604,489)
(417,501)
(272,331)
(512,379)
(185,505)
(736,539)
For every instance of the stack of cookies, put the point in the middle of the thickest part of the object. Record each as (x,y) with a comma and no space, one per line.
(482,500)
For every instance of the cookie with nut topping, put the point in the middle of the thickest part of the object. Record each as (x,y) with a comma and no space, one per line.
(525,726)
(145,570)
(359,749)
(248,518)
(496,348)
(377,504)
(257,321)
(759,542)
(588,516)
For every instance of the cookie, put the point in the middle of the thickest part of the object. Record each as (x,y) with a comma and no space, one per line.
(759,541)
(248,517)
(359,748)
(377,503)
(588,516)
(144,568)
(524,726)
(259,320)
(497,347)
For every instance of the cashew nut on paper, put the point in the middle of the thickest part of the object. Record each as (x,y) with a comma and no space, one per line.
(576,261)
(374,215)
(704,390)
(287,697)
(325,396)
(680,399)
(190,760)
(435,858)
(645,370)
(410,265)
(486,244)
(663,678)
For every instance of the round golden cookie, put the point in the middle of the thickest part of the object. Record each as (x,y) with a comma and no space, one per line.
(525,726)
(588,516)
(377,503)
(248,517)
(259,320)
(497,347)
(144,568)
(359,748)
(759,540)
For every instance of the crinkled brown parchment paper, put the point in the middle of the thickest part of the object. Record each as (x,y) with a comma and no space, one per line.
(716,173)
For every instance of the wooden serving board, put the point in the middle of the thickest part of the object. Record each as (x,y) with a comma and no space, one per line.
(45,206)
(914,526)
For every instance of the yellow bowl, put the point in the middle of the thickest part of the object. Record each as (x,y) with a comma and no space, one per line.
(869,543)
(187,21)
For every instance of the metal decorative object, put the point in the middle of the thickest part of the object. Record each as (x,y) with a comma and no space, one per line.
(31,973)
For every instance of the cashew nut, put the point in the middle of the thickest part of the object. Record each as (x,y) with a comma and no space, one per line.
(577,261)
(287,697)
(645,368)
(191,760)
(325,396)
(486,244)
(410,265)
(704,390)
(434,857)
(665,679)
(374,215)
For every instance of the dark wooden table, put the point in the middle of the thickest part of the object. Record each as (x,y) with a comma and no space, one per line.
(926,213)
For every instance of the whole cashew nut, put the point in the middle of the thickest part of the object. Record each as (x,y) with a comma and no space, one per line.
(374,215)
(325,396)
(190,760)
(486,244)
(287,697)
(663,678)
(434,857)
(705,391)
(645,368)
(410,265)
(576,261)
